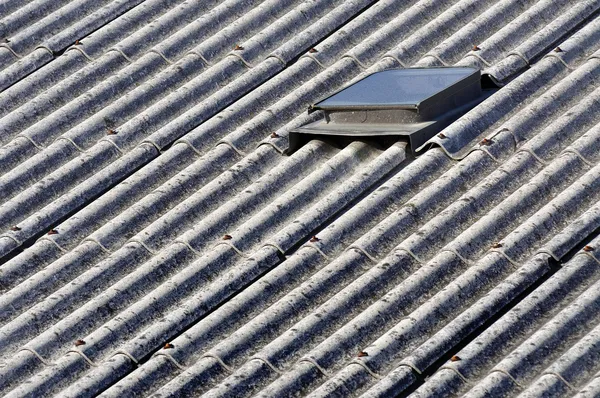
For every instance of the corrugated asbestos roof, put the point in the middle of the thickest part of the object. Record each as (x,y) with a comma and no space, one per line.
(156,239)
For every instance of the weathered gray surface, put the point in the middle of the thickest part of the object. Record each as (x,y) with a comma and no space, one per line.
(163,129)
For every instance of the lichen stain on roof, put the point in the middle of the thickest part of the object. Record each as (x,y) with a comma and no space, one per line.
(155,239)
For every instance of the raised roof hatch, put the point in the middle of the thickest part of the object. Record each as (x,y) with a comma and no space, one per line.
(415,102)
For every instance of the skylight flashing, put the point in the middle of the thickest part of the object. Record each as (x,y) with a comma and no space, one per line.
(415,102)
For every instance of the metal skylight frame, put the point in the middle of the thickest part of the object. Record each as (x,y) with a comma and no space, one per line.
(352,113)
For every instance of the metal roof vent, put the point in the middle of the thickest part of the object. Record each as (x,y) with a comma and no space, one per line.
(416,102)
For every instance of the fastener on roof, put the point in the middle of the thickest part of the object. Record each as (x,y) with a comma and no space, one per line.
(314,239)
(485,141)
(77,42)
(168,346)
(455,358)
(476,48)
(274,135)
(558,50)
(52,232)
(313,50)
(415,102)
(15,228)
(79,342)
(111,132)
(238,48)
(362,354)
(442,135)
(227,237)
(588,249)
(496,245)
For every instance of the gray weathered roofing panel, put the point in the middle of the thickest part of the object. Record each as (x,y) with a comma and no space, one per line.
(152,150)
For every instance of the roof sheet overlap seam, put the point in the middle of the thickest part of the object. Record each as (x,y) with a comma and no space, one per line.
(163,56)
(45,238)
(77,48)
(458,373)
(435,57)
(274,245)
(246,63)
(520,55)
(144,142)
(316,365)
(456,253)
(549,252)
(363,251)
(532,153)
(4,45)
(410,253)
(186,142)
(315,60)
(507,374)
(38,356)
(312,246)
(35,144)
(117,50)
(100,245)
(509,131)
(186,244)
(111,142)
(43,47)
(510,260)
(562,61)
(148,249)
(170,358)
(576,152)
(411,366)
(193,52)
(394,58)
(227,142)
(584,253)
(266,362)
(125,354)
(365,367)
(486,151)
(10,236)
(227,368)
(562,379)
(401,249)
(77,147)
(85,357)
(271,144)
(479,57)
(277,57)
(235,249)
(356,61)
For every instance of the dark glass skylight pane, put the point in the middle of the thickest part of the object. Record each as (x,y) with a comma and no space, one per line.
(397,87)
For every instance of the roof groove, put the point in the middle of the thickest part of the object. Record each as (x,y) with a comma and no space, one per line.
(126,127)
(86,346)
(491,228)
(550,292)
(98,13)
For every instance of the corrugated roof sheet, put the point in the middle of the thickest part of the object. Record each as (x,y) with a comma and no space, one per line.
(157,240)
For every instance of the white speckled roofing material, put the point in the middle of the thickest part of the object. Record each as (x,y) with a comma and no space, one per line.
(156,240)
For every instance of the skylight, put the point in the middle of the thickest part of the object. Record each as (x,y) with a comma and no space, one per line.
(397,87)
(414,103)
